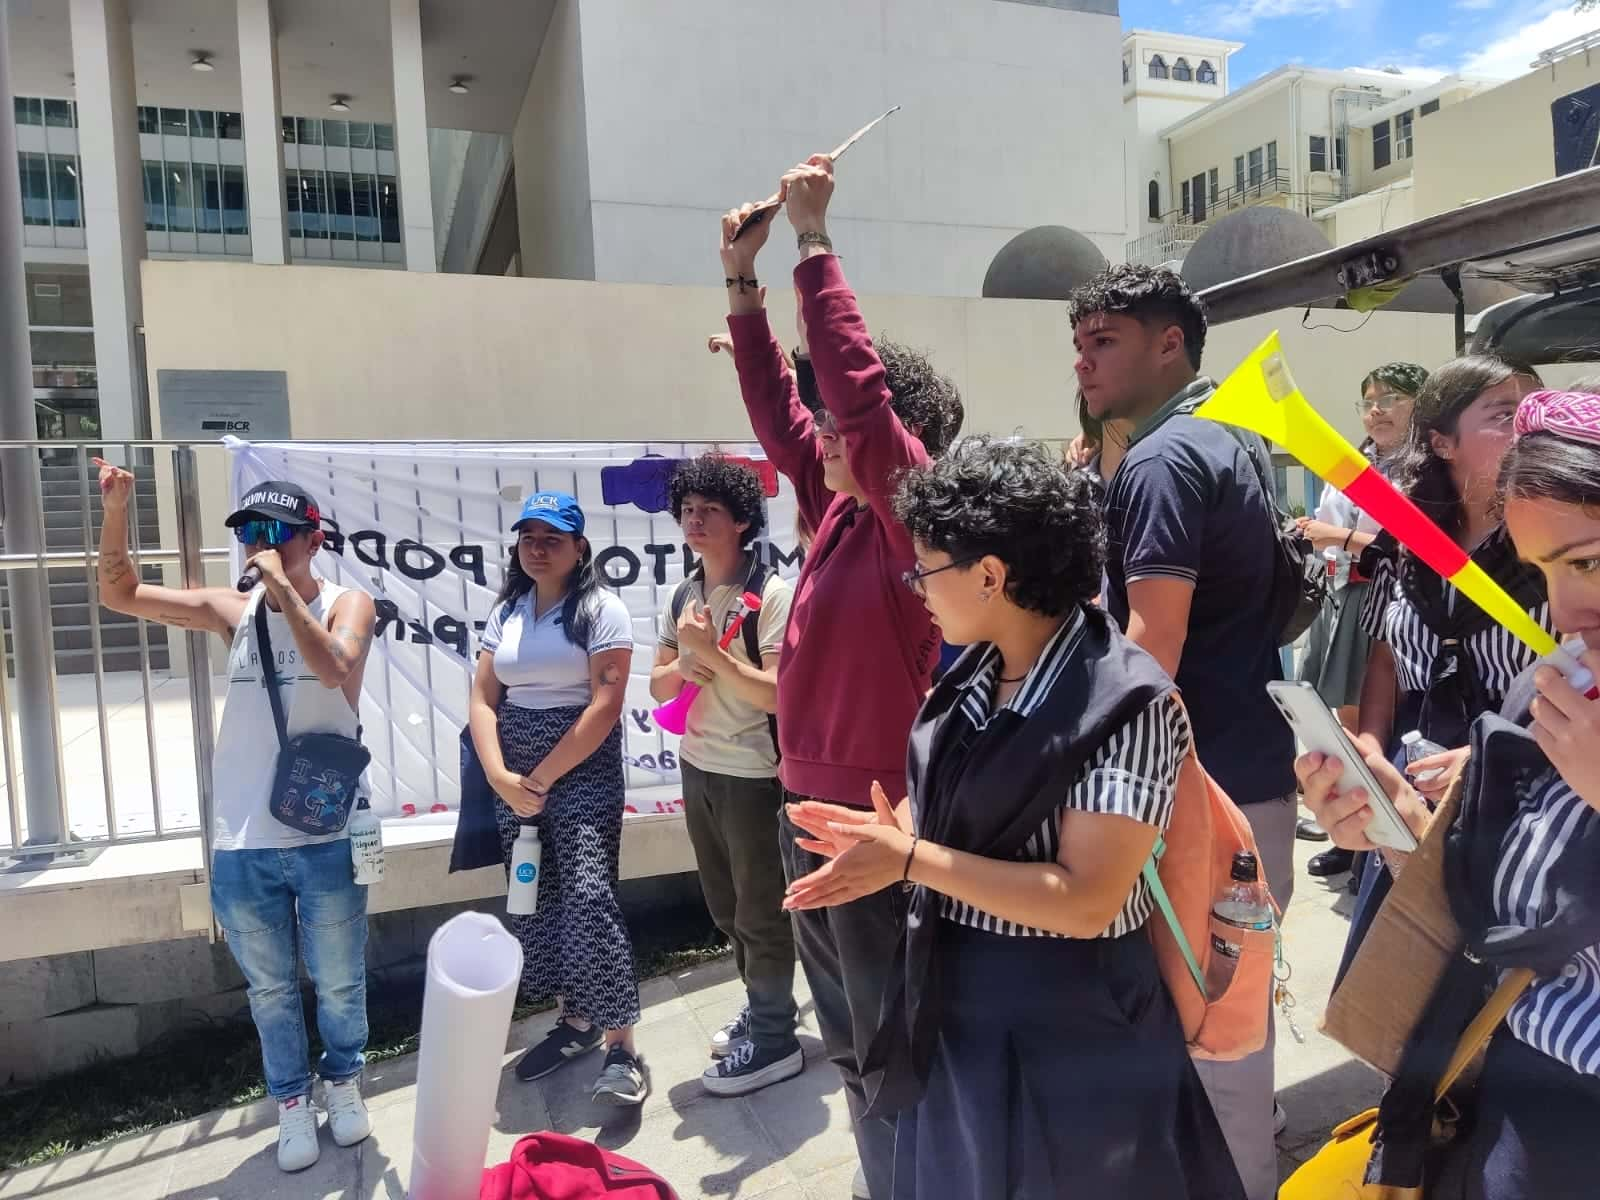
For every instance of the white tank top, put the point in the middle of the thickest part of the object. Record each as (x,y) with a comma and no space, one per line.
(246,757)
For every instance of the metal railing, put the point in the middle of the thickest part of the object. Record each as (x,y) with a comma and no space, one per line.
(1181,228)
(41,818)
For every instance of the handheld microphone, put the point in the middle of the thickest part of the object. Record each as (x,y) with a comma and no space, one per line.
(251,577)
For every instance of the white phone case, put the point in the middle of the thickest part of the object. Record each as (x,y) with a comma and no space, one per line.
(1318,729)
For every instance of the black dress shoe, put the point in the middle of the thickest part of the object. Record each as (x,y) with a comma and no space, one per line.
(1308,830)
(1331,862)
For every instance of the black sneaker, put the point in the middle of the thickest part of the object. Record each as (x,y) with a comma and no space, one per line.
(749,1068)
(560,1046)
(1330,862)
(622,1082)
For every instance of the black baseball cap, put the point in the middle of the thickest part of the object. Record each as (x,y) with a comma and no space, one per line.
(278,500)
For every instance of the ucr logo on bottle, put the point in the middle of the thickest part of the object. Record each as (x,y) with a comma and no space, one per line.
(526,872)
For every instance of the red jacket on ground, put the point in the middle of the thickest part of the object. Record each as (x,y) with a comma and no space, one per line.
(860,648)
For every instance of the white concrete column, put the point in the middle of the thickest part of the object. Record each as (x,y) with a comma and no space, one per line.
(263,132)
(411,135)
(113,204)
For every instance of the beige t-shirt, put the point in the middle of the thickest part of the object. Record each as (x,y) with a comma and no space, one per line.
(726,735)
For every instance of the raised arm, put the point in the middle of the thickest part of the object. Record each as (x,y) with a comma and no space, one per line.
(213,610)
(782,424)
(850,376)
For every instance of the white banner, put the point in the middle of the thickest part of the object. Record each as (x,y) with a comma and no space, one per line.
(425,528)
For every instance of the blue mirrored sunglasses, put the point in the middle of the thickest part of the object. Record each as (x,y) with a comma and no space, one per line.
(265,532)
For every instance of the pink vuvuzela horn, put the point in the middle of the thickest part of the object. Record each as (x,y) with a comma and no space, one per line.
(673,716)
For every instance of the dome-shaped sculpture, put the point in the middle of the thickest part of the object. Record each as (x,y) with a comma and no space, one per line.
(1043,263)
(1248,241)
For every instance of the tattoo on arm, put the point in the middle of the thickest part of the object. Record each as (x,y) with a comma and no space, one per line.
(611,676)
(117,568)
(349,645)
(180,619)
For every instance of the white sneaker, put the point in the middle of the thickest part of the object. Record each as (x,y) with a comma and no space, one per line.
(858,1186)
(347,1114)
(298,1147)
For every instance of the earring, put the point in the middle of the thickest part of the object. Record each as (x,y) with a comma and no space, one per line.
(984,596)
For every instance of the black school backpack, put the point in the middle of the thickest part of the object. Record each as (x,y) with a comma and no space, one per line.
(755,582)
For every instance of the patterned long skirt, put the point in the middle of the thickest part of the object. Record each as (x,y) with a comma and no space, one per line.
(576,946)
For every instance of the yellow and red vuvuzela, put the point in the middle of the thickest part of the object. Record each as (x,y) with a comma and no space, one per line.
(1261,395)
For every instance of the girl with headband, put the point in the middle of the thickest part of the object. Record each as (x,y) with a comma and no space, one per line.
(1519,861)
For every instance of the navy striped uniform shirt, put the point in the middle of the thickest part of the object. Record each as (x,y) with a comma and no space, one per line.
(1559,1015)
(1497,654)
(1135,774)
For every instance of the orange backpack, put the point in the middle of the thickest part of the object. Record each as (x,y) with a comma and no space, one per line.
(1188,869)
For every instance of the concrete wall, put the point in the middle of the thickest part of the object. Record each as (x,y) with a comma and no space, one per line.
(1248,124)
(1497,141)
(692,109)
(550,148)
(1374,213)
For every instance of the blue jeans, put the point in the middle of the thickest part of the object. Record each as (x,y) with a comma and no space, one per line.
(260,898)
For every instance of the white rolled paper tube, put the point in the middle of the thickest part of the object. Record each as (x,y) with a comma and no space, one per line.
(473,969)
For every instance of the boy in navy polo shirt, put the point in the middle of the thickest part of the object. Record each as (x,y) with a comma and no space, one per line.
(1191,533)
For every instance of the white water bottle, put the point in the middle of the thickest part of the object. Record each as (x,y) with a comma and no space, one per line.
(1418,747)
(1243,905)
(366,843)
(522,895)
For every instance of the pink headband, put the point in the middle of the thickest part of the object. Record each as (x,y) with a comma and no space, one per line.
(1573,415)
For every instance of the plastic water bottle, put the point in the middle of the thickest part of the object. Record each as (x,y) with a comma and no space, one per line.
(366,843)
(1568,660)
(522,896)
(1243,905)
(1417,747)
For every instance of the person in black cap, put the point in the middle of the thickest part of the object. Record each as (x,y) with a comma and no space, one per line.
(268,879)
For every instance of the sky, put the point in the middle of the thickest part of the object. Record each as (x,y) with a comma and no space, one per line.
(1493,38)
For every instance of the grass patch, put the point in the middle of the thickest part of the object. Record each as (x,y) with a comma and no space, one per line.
(200,1068)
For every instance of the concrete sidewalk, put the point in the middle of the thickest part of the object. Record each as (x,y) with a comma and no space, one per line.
(790,1142)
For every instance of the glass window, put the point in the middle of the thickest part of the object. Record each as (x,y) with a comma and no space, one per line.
(58,295)
(1124,70)
(389,208)
(1255,166)
(35,189)
(1206,74)
(1338,152)
(58,113)
(202,124)
(1153,201)
(383,137)
(1402,135)
(1319,153)
(229,126)
(313,204)
(208,197)
(1380,145)
(1429,107)
(291,189)
(155,198)
(1185,204)
(288,129)
(1158,67)
(149,119)
(1211,184)
(175,121)
(1182,70)
(64,191)
(1238,173)
(361,135)
(364,200)
(1272,160)
(29,111)
(336,133)
(308,131)
(180,198)
(235,210)
(343,223)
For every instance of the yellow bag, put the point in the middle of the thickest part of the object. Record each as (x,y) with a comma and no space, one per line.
(1338,1171)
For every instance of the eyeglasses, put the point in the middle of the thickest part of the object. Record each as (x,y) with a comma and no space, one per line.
(1382,401)
(914,579)
(265,531)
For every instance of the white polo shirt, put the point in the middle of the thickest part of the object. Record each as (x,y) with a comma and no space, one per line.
(534,661)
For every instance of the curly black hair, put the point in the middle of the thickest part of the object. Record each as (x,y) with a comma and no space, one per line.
(716,477)
(1154,296)
(920,395)
(1015,500)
